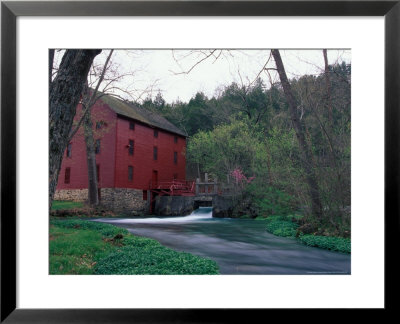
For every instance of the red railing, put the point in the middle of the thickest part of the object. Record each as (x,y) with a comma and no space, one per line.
(174,187)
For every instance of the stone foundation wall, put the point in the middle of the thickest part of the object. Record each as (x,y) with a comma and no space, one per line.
(174,205)
(129,201)
(71,194)
(120,200)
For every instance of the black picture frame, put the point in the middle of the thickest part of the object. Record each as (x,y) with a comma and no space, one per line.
(11,10)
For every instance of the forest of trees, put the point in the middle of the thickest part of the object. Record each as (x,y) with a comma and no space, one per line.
(290,142)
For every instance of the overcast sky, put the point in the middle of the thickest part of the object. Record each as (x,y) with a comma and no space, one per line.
(163,70)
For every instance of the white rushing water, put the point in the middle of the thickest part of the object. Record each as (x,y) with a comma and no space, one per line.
(203,213)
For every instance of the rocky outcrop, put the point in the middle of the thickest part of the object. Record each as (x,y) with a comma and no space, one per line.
(223,206)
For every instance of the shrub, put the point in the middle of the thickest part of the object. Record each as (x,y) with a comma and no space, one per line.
(281,226)
(339,244)
(270,201)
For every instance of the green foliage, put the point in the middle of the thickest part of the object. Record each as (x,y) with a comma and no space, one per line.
(59,204)
(154,260)
(270,201)
(281,226)
(339,244)
(84,247)
(225,148)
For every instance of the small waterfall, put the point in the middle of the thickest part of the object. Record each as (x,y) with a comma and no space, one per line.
(203,213)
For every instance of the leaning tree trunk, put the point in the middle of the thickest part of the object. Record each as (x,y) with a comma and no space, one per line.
(328,87)
(64,95)
(316,206)
(91,161)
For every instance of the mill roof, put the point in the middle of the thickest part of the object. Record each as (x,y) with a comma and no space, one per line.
(140,114)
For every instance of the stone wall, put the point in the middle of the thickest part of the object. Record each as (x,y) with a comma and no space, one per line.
(119,200)
(174,205)
(122,200)
(130,202)
(71,194)
(183,205)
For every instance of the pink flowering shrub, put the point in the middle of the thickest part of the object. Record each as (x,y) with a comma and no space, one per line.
(238,175)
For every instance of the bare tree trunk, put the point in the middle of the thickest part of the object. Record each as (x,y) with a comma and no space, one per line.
(298,125)
(91,161)
(51,60)
(328,86)
(64,95)
(91,98)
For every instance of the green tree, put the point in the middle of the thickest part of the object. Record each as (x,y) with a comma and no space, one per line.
(227,147)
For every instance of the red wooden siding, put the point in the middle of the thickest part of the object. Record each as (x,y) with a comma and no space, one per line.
(114,159)
(142,159)
(104,160)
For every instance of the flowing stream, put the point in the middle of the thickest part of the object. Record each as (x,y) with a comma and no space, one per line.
(238,246)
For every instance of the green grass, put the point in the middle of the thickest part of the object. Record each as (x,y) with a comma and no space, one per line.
(75,251)
(73,209)
(84,247)
(59,204)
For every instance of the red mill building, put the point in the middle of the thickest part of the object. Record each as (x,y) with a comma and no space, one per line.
(136,150)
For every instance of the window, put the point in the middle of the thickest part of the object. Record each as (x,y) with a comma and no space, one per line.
(69,150)
(130,147)
(155,133)
(100,124)
(98,172)
(144,194)
(155,152)
(176,139)
(130,173)
(132,125)
(175,176)
(175,157)
(67,175)
(97,147)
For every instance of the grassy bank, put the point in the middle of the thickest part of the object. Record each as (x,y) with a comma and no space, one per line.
(84,247)
(65,205)
(286,227)
(72,209)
